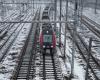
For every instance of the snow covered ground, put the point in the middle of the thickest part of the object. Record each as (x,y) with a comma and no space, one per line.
(9,63)
(79,71)
(89,12)
(7,66)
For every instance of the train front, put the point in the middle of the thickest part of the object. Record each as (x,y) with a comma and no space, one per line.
(47,39)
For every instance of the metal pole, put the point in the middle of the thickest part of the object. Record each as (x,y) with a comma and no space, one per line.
(82,4)
(89,53)
(66,24)
(55,14)
(81,13)
(74,38)
(20,11)
(33,6)
(13,1)
(60,24)
(78,11)
(2,10)
(23,7)
(96,6)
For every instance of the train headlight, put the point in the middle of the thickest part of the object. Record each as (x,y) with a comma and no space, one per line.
(51,46)
(43,46)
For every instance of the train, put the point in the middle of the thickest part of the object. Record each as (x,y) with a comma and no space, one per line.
(47,34)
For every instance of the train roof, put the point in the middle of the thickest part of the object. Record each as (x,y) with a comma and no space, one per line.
(46,26)
(46,8)
(47,31)
(45,17)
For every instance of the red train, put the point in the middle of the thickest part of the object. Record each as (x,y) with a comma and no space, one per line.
(47,37)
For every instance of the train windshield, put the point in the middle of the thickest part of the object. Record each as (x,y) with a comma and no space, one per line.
(47,38)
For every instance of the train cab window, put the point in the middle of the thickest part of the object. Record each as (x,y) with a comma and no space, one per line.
(47,38)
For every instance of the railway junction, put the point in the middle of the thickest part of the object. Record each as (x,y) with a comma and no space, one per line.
(49,40)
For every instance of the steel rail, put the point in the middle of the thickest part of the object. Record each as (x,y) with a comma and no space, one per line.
(55,73)
(37,21)
(76,42)
(10,34)
(28,3)
(23,51)
(44,72)
(12,41)
(53,65)
(92,22)
(92,28)
(34,42)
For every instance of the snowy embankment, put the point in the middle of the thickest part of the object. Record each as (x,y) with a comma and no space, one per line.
(79,64)
(79,73)
(66,67)
(8,15)
(11,59)
(89,12)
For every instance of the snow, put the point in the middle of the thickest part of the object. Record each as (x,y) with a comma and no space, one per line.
(62,64)
(10,60)
(37,67)
(8,64)
(66,67)
(89,12)
(79,72)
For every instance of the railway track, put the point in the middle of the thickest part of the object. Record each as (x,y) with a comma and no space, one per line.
(49,67)
(25,68)
(95,28)
(13,33)
(4,29)
(28,65)
(94,65)
(3,26)
(91,21)
(91,25)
